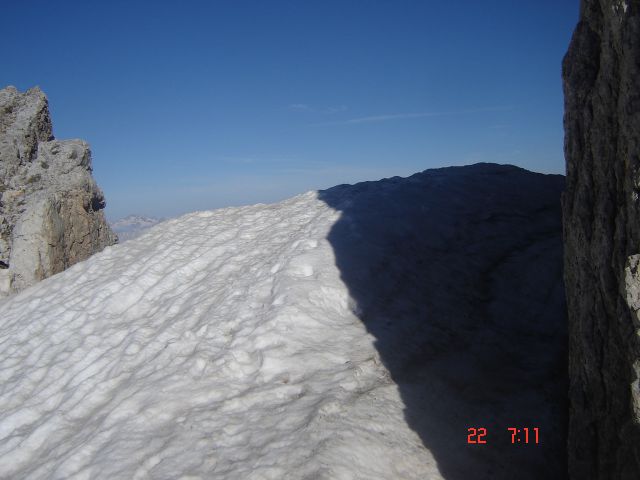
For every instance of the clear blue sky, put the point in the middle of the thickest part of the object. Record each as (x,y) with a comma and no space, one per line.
(192,105)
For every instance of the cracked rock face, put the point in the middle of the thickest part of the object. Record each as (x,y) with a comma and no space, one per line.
(50,206)
(601,74)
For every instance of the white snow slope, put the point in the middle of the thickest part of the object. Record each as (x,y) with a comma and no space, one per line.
(222,344)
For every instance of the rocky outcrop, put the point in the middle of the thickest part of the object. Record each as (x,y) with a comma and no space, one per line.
(601,73)
(50,206)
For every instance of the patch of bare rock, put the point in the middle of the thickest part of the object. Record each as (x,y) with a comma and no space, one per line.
(51,209)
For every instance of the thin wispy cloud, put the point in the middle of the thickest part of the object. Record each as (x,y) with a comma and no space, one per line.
(299,107)
(304,107)
(335,109)
(404,116)
(257,159)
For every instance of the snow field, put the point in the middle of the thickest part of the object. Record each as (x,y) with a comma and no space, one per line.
(221,344)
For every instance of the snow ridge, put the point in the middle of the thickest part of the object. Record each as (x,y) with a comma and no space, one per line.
(222,344)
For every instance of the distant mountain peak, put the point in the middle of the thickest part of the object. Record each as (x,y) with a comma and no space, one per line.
(133,225)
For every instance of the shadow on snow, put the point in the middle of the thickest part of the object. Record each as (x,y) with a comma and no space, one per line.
(457,273)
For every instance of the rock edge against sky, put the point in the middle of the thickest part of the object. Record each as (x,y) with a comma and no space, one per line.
(51,209)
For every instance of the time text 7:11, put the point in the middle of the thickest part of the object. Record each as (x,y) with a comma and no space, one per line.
(521,435)
(518,435)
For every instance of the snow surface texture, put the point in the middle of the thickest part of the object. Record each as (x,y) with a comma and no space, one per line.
(335,335)
(133,226)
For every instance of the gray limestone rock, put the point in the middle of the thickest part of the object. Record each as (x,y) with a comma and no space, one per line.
(50,206)
(601,74)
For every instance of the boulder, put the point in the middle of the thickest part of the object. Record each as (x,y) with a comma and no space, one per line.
(51,209)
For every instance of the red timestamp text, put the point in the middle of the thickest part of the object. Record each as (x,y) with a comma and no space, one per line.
(518,435)
(476,435)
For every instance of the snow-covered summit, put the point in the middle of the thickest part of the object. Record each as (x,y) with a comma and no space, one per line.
(356,332)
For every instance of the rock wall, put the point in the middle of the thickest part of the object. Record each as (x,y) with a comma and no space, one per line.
(601,74)
(50,206)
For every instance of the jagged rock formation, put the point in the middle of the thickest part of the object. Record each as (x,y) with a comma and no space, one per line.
(601,73)
(50,206)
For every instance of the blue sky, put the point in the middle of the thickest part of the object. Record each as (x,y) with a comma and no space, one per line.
(192,105)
